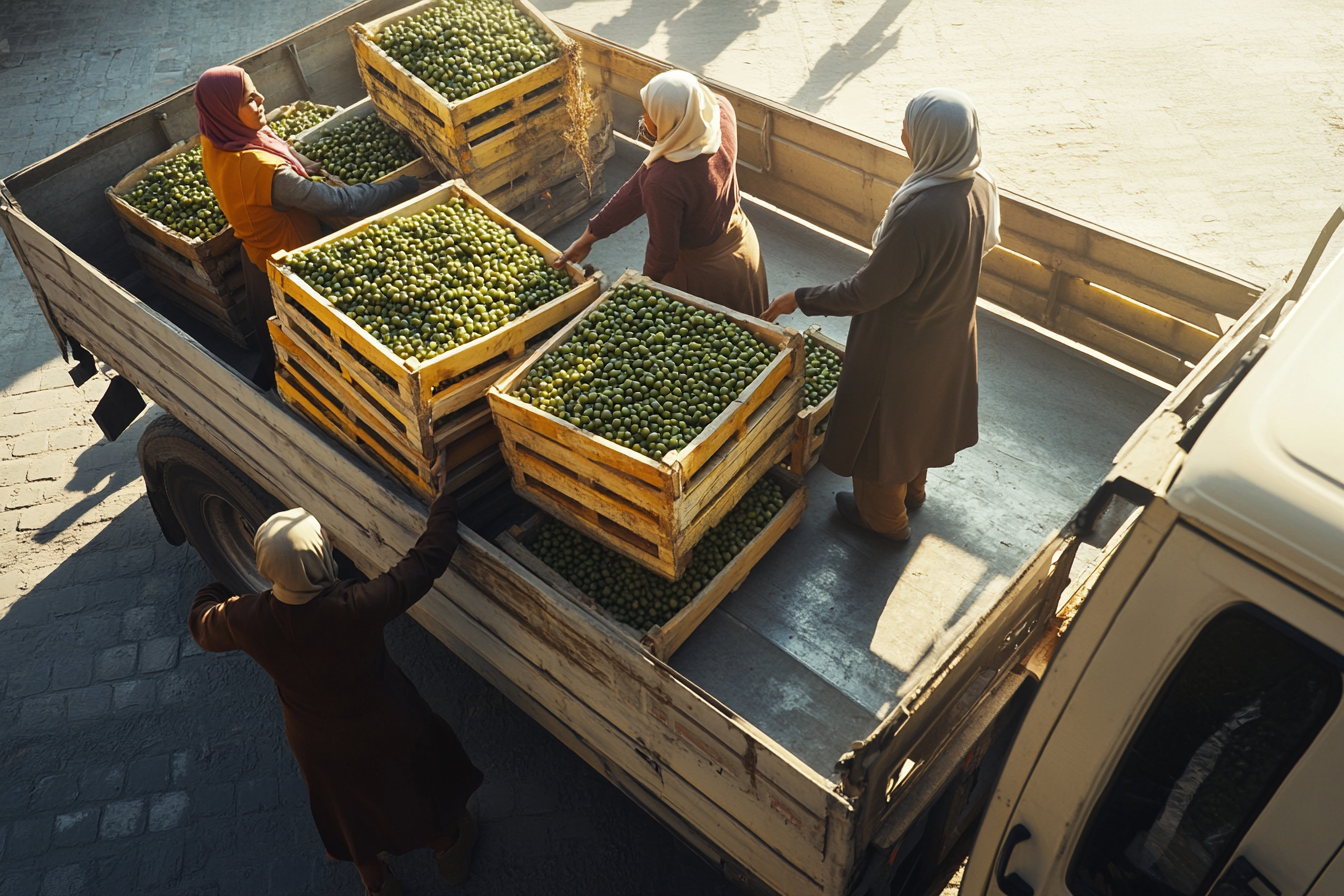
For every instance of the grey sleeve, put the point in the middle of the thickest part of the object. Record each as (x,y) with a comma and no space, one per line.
(288,190)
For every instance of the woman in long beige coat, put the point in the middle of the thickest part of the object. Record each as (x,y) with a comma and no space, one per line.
(908,394)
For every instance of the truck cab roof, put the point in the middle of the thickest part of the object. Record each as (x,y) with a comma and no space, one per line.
(1268,471)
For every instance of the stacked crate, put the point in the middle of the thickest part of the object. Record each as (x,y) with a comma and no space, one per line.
(653,510)
(403,412)
(506,142)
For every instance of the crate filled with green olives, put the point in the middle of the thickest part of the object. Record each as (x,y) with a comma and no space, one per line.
(825,357)
(645,420)
(406,318)
(480,87)
(640,604)
(356,146)
(177,232)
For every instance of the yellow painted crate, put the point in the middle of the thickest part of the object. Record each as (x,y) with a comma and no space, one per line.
(417,406)
(663,640)
(653,510)
(510,131)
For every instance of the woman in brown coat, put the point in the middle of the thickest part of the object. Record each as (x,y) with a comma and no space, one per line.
(384,773)
(908,393)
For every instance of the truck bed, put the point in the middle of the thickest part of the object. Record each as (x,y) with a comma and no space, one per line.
(818,644)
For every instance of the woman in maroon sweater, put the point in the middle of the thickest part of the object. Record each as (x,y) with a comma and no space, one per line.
(699,239)
(384,773)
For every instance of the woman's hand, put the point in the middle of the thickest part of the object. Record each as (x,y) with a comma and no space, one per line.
(785,304)
(439,472)
(426,184)
(577,251)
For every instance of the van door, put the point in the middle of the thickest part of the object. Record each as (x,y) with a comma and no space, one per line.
(1200,750)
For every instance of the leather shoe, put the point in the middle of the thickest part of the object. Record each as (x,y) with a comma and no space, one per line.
(391,886)
(849,509)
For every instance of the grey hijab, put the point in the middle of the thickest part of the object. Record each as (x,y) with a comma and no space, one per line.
(944,134)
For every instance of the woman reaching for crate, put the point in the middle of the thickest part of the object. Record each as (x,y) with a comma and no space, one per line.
(262,185)
(384,773)
(908,393)
(700,241)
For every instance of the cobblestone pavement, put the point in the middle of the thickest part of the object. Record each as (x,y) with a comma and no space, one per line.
(131,762)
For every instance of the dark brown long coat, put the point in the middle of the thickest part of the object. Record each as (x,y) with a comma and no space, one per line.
(383,771)
(908,393)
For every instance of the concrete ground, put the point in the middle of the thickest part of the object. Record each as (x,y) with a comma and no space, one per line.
(129,762)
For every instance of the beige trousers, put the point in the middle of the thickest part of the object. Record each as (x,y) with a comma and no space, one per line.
(884,507)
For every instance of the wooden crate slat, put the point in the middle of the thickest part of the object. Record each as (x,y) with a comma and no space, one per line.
(589,494)
(807,442)
(712,507)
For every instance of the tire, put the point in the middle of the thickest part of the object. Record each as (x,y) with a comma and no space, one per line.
(213,505)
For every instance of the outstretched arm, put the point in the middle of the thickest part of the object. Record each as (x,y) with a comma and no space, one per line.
(393,592)
(209,621)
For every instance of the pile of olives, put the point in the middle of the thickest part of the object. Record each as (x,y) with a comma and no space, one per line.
(821,374)
(427,283)
(177,195)
(299,119)
(361,150)
(461,47)
(646,371)
(633,594)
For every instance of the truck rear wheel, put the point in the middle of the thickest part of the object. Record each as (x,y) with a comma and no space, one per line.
(211,504)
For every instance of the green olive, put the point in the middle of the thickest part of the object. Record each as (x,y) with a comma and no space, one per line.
(360,151)
(821,374)
(633,594)
(646,371)
(429,282)
(461,47)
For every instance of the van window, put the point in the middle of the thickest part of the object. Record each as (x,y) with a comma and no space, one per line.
(1233,719)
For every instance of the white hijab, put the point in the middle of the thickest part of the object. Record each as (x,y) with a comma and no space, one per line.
(294,554)
(686,116)
(944,134)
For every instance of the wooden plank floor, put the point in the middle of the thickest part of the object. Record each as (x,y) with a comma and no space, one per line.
(816,645)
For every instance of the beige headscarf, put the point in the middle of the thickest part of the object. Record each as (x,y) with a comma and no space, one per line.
(944,134)
(685,114)
(295,556)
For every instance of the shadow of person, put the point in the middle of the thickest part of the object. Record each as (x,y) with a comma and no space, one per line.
(843,62)
(101,470)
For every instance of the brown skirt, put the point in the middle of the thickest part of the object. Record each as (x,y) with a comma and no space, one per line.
(729,271)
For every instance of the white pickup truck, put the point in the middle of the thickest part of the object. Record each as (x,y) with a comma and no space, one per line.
(849,719)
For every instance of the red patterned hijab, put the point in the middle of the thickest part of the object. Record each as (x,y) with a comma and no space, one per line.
(219,93)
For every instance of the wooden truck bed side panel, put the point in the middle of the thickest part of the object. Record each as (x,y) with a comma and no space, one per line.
(760,804)
(1148,309)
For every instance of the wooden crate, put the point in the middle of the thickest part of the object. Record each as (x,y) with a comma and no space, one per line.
(807,441)
(419,167)
(417,407)
(490,138)
(303,377)
(663,640)
(653,510)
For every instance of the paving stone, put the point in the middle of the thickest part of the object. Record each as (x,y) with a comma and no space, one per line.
(123,818)
(14,797)
(258,795)
(21,883)
(37,713)
(158,655)
(28,444)
(185,769)
(92,702)
(102,782)
(149,774)
(133,696)
(139,623)
(28,837)
(77,828)
(71,671)
(48,467)
(115,662)
(213,799)
(54,791)
(31,678)
(160,862)
(64,880)
(168,810)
